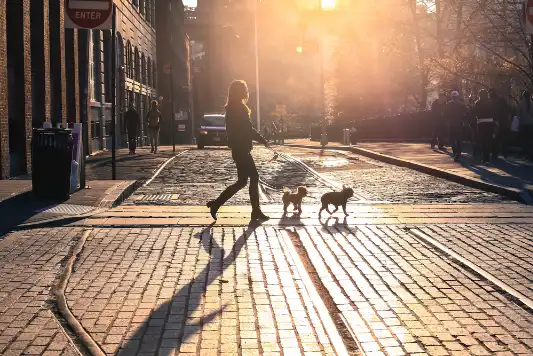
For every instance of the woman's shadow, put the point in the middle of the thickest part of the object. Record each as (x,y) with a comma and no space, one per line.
(186,300)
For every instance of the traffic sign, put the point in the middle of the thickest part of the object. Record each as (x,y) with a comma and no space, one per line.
(89,14)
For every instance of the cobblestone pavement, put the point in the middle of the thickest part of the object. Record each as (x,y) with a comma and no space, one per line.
(402,296)
(232,290)
(229,291)
(200,175)
(506,251)
(378,181)
(29,265)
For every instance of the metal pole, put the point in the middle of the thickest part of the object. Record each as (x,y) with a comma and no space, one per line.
(83,108)
(191,93)
(257,68)
(113,94)
(171,79)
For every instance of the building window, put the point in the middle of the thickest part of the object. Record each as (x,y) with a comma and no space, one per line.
(129,60)
(141,7)
(135,2)
(149,11)
(153,14)
(154,77)
(136,72)
(107,65)
(143,69)
(97,60)
(149,72)
(92,92)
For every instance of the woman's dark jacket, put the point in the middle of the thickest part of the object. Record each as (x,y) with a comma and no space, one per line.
(239,129)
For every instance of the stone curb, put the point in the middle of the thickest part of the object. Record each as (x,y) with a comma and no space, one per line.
(120,193)
(512,193)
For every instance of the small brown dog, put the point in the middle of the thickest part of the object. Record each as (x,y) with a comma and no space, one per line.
(294,198)
(336,199)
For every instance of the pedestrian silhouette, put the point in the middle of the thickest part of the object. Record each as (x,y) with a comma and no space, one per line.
(241,135)
(154,119)
(133,121)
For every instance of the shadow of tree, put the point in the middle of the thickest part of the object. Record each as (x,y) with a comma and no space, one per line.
(187,301)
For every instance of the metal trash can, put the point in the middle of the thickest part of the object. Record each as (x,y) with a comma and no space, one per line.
(51,157)
(346,137)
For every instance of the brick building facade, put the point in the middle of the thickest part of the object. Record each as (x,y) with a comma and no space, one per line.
(49,73)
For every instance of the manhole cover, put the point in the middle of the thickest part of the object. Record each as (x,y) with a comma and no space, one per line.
(66,209)
(156,197)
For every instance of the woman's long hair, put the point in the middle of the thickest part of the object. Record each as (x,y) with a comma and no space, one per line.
(237,94)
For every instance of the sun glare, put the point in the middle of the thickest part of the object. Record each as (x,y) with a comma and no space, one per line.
(328,4)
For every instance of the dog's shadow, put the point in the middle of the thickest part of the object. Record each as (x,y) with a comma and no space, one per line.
(293,218)
(327,222)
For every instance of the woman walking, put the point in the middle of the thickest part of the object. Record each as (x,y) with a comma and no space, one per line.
(154,119)
(240,134)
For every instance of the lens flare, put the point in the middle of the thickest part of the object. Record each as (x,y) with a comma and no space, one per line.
(328,4)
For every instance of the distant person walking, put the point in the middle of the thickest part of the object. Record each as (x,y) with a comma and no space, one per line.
(241,135)
(154,118)
(133,123)
(502,116)
(525,109)
(455,113)
(439,124)
(486,124)
(274,132)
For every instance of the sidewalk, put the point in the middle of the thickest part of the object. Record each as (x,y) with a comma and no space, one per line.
(19,207)
(131,167)
(514,175)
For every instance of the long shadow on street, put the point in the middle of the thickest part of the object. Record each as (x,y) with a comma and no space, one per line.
(187,300)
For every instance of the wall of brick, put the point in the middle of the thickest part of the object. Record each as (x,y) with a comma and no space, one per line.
(76,78)
(4,128)
(63,71)
(46,38)
(26,37)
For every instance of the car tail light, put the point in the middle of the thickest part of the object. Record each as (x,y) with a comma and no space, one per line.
(203,132)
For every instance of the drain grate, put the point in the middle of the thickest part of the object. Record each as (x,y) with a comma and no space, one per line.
(156,197)
(66,209)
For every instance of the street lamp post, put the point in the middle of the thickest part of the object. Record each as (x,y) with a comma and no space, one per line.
(172,118)
(324,135)
(258,108)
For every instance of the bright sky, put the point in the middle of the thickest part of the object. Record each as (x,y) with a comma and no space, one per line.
(189,2)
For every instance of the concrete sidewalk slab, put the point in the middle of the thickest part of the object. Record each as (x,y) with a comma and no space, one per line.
(510,177)
(19,207)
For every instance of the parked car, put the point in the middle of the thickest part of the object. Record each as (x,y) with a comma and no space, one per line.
(212,131)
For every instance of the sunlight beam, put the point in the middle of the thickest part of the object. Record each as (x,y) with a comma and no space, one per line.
(327,4)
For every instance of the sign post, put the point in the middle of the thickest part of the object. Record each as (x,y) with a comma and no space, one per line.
(96,15)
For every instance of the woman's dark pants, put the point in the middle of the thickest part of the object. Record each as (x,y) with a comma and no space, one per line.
(245,169)
(132,142)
